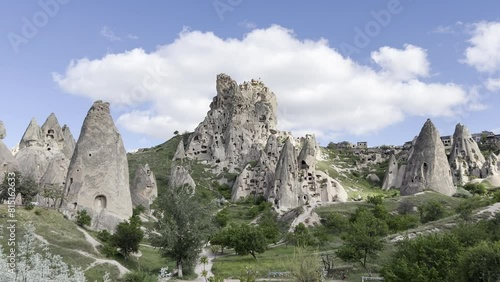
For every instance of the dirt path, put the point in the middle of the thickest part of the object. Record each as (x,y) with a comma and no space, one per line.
(90,239)
(123,270)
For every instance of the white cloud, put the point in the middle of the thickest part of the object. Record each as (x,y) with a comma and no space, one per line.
(247,24)
(318,90)
(493,84)
(484,52)
(133,37)
(444,30)
(406,64)
(107,33)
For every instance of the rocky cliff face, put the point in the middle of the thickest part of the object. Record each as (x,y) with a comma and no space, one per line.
(428,167)
(143,189)
(241,117)
(491,170)
(179,176)
(44,151)
(465,157)
(391,175)
(98,176)
(7,161)
(239,132)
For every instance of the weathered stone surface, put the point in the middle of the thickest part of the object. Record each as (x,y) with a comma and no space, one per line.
(3,132)
(55,174)
(391,174)
(373,177)
(240,117)
(144,189)
(32,136)
(491,170)
(286,192)
(428,167)
(7,161)
(98,176)
(465,157)
(400,177)
(69,142)
(33,161)
(180,154)
(179,176)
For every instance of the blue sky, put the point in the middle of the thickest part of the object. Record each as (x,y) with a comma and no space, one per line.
(157,62)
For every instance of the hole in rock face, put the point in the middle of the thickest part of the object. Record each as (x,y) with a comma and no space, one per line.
(100,202)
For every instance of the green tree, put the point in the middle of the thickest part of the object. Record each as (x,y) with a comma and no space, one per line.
(83,218)
(223,238)
(432,211)
(222,217)
(481,263)
(268,223)
(23,184)
(336,222)
(431,258)
(249,240)
(128,235)
(302,237)
(55,193)
(363,238)
(185,223)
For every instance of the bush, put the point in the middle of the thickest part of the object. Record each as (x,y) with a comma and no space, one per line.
(496,196)
(476,188)
(38,212)
(432,211)
(29,206)
(82,218)
(336,222)
(138,276)
(375,200)
(109,250)
(405,207)
(104,236)
(402,222)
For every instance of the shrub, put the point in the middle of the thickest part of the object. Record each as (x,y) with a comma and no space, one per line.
(29,206)
(138,276)
(82,218)
(432,211)
(375,200)
(496,196)
(476,188)
(38,212)
(104,236)
(405,207)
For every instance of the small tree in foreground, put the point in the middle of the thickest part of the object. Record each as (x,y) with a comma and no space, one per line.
(248,240)
(83,218)
(128,235)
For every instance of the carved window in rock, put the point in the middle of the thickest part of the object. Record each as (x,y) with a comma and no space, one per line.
(100,202)
(50,133)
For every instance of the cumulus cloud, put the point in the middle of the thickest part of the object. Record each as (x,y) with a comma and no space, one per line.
(406,64)
(318,90)
(484,52)
(493,84)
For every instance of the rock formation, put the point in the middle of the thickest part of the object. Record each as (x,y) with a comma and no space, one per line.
(286,192)
(241,117)
(39,146)
(179,176)
(465,157)
(179,153)
(143,189)
(428,167)
(7,161)
(98,176)
(239,133)
(391,174)
(491,170)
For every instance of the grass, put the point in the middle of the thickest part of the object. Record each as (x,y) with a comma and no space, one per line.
(234,266)
(97,272)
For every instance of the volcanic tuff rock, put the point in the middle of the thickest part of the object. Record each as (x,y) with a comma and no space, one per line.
(465,157)
(240,120)
(491,170)
(391,174)
(179,176)
(98,176)
(3,132)
(7,161)
(143,189)
(179,153)
(428,167)
(39,146)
